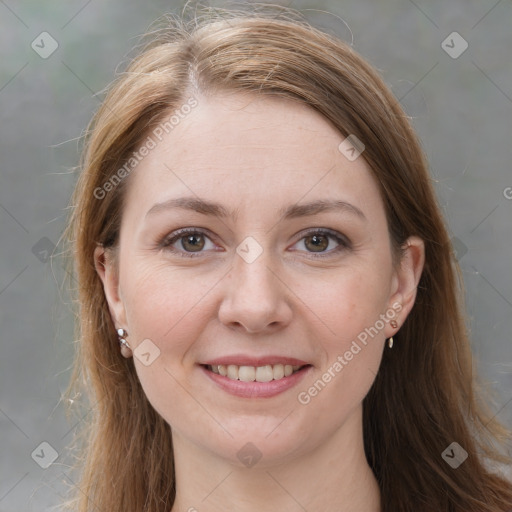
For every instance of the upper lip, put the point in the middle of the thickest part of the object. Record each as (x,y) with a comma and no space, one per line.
(244,360)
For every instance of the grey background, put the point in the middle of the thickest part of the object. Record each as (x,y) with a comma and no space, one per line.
(462,110)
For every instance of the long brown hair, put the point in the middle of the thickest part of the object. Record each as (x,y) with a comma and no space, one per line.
(425,396)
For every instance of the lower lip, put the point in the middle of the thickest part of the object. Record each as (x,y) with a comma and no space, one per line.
(257,389)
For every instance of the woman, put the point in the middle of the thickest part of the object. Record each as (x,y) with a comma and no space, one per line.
(270,317)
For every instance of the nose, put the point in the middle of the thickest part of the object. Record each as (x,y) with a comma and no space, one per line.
(255,299)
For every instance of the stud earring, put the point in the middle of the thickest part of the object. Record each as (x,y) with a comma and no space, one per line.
(393,324)
(125,348)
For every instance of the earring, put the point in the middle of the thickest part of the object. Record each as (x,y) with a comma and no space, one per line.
(393,324)
(125,348)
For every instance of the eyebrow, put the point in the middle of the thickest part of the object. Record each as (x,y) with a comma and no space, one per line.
(291,212)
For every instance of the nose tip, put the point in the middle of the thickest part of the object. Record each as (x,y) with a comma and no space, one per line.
(254,301)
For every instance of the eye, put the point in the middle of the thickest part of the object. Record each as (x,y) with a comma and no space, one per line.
(187,241)
(324,242)
(191,242)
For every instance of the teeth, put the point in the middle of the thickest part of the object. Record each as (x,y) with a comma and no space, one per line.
(278,371)
(264,373)
(250,373)
(247,373)
(233,372)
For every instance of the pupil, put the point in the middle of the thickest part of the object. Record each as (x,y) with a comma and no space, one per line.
(319,242)
(194,241)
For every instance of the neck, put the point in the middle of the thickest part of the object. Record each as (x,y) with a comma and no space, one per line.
(334,477)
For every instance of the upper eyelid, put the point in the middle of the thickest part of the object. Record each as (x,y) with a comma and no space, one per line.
(180,233)
(324,231)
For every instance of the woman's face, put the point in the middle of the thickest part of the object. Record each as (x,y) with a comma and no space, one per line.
(286,262)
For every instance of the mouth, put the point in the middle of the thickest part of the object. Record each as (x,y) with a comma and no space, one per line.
(256,382)
(265,373)
(255,376)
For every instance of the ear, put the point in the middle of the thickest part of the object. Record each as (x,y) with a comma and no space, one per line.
(106,266)
(406,278)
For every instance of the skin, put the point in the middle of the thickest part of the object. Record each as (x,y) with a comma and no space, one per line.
(256,155)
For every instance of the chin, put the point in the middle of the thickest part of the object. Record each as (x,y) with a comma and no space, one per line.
(254,443)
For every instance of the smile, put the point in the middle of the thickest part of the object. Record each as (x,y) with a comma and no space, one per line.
(263,381)
(265,373)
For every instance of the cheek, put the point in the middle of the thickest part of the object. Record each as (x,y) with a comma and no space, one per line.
(351,300)
(166,304)
(352,350)
(354,307)
(168,307)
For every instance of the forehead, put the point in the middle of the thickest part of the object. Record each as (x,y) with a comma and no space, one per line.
(248,149)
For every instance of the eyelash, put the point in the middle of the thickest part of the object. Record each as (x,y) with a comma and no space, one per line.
(168,241)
